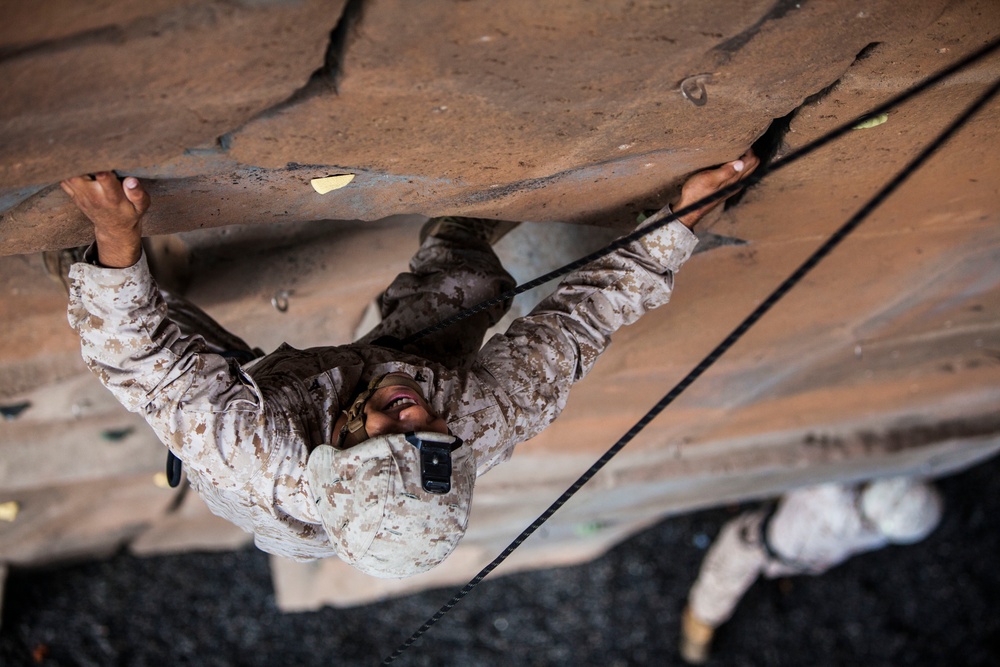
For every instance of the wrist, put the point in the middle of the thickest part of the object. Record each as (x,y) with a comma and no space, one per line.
(691,219)
(119,248)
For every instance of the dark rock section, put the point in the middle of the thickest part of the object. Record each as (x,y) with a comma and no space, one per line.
(777,11)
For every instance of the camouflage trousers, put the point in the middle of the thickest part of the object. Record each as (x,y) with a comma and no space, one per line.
(734,561)
(453,269)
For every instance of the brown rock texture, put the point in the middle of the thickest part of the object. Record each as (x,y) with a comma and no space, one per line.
(885,359)
(129,84)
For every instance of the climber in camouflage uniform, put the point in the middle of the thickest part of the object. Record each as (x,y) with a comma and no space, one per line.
(809,531)
(362,451)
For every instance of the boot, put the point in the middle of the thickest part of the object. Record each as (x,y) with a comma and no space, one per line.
(696,638)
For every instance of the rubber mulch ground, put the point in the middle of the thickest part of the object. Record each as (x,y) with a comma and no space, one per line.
(930,604)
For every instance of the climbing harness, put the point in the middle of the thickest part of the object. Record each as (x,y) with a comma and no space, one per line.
(762,538)
(835,239)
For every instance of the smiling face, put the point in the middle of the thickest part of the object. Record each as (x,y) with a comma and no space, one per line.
(397,408)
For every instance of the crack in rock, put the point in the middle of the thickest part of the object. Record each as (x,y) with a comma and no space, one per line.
(324,78)
(772,142)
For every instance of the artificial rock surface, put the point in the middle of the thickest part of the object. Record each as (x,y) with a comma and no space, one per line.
(885,359)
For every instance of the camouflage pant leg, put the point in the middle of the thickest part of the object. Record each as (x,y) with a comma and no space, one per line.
(731,566)
(449,273)
(192,320)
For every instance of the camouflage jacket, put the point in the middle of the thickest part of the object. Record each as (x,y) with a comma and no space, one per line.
(245,432)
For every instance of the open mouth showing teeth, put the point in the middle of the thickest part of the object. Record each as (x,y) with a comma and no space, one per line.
(400,402)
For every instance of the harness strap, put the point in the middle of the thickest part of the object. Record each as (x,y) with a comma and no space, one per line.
(769,549)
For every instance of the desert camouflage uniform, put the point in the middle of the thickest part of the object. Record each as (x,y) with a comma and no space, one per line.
(812,530)
(244,432)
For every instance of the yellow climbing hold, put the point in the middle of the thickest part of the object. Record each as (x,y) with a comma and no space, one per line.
(871,122)
(331,183)
(160,480)
(9,510)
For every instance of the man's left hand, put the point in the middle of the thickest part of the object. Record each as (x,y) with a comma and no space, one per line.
(710,181)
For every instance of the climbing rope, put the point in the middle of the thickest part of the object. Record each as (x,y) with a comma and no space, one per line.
(746,324)
(662,218)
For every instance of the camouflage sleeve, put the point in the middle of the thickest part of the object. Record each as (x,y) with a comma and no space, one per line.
(202,407)
(542,354)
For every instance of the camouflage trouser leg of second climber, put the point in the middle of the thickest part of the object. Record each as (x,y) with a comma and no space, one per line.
(731,565)
(450,272)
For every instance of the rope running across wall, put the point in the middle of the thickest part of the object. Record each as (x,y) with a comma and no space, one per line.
(661,219)
(835,239)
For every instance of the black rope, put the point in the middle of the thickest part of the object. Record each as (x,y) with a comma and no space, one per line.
(714,355)
(662,220)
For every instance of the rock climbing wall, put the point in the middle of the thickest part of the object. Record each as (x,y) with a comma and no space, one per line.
(575,116)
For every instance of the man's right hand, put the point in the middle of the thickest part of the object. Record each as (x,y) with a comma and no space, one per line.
(116,209)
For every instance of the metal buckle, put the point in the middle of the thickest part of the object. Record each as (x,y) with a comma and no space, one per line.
(435,462)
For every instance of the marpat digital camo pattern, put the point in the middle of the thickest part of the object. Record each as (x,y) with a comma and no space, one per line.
(245,432)
(376,512)
(813,529)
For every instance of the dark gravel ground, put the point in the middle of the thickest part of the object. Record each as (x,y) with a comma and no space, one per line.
(930,604)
